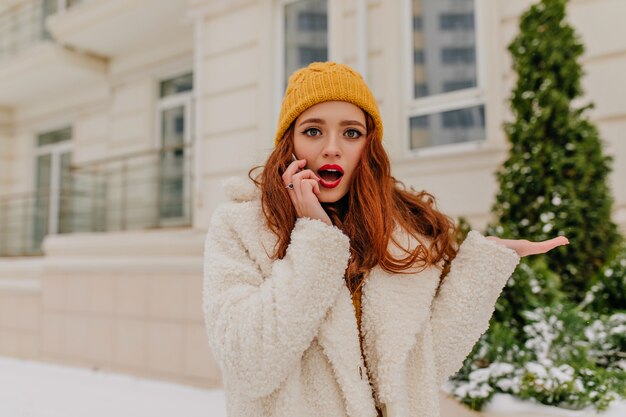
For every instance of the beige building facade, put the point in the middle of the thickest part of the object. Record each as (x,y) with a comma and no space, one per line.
(119,120)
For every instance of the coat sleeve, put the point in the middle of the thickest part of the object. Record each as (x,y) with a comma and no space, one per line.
(259,327)
(466,300)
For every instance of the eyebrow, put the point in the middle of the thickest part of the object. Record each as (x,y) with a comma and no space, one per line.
(342,123)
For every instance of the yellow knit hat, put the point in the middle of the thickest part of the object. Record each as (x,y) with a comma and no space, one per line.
(325,81)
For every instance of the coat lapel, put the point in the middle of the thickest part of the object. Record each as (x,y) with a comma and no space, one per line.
(395,308)
(338,336)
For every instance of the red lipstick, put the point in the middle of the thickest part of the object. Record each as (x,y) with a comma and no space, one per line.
(330,168)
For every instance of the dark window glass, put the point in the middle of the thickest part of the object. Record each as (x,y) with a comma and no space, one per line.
(444,33)
(463,118)
(456,21)
(457,85)
(418,56)
(458,55)
(455,126)
(308,55)
(177,85)
(417,23)
(306,34)
(54,136)
(312,21)
(421,90)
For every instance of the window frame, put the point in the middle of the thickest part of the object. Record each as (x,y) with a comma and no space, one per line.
(447,101)
(186,99)
(161,103)
(279,56)
(55,150)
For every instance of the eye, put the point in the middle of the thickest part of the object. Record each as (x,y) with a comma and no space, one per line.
(353,133)
(312,131)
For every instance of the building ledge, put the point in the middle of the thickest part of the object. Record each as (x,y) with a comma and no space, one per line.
(47,70)
(20,274)
(155,243)
(111,28)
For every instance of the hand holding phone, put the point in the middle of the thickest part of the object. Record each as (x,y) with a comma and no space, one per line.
(303,188)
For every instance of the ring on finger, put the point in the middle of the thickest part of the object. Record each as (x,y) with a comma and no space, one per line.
(290,186)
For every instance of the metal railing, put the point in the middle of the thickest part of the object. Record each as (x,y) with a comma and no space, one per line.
(23,222)
(143,190)
(22,23)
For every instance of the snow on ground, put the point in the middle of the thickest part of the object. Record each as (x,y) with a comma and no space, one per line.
(36,389)
(508,405)
(504,403)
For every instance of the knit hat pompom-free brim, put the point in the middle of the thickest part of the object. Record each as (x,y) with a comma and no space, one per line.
(325,81)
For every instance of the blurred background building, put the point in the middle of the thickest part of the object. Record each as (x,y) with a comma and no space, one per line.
(120,118)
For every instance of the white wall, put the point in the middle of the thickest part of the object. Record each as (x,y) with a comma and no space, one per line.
(234,68)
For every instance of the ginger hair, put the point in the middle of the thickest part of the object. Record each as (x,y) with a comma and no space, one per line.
(367,214)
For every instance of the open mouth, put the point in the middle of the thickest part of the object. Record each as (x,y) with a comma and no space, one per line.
(330,175)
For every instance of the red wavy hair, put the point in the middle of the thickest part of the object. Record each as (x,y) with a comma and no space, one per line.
(367,214)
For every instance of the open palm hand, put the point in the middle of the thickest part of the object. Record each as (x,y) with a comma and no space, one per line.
(525,247)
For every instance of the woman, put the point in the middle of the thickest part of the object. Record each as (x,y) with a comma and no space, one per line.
(329,290)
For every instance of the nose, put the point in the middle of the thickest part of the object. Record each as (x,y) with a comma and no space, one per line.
(331,147)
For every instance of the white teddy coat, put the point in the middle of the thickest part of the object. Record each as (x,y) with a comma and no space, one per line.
(285,334)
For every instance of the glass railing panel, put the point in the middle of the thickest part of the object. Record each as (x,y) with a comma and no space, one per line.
(23,223)
(133,192)
(23,24)
(141,191)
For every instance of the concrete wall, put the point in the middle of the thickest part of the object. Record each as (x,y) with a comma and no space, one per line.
(127,302)
(20,309)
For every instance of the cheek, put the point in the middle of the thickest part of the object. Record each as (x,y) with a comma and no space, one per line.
(301,147)
(358,154)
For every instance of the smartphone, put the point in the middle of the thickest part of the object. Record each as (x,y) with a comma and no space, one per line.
(293,159)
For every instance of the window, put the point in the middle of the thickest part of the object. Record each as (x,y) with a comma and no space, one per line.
(447,105)
(48,8)
(457,85)
(417,22)
(456,21)
(174,113)
(176,85)
(457,56)
(308,55)
(454,126)
(421,90)
(54,136)
(53,185)
(418,56)
(462,119)
(312,21)
(305,36)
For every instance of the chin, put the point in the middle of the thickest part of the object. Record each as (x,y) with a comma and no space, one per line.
(330,196)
